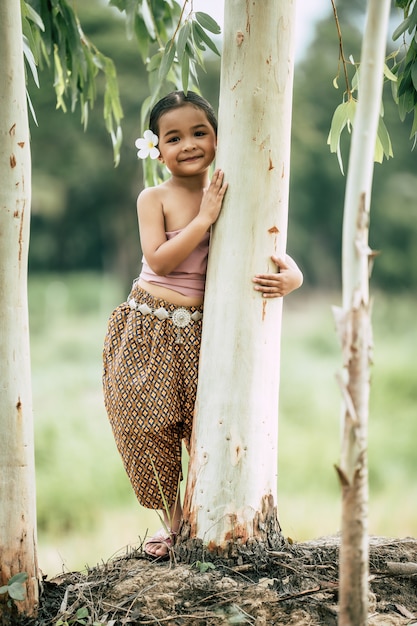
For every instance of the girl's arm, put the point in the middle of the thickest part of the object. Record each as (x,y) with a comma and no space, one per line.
(164,255)
(288,278)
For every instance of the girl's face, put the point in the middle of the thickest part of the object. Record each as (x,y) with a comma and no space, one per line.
(187,141)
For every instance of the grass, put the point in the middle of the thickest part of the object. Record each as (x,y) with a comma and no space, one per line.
(86,509)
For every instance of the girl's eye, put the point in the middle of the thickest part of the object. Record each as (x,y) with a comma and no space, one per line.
(200,133)
(173,139)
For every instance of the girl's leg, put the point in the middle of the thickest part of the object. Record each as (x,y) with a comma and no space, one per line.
(172,520)
(150,411)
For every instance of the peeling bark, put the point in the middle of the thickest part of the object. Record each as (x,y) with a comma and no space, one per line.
(353,474)
(353,323)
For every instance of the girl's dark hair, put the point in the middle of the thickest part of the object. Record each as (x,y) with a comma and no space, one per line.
(177,99)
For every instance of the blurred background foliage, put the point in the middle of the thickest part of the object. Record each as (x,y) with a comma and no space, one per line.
(84,209)
(84,253)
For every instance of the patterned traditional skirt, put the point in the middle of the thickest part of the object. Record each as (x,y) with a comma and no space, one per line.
(150,355)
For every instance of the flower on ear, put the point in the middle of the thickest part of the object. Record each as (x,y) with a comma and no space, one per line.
(147,145)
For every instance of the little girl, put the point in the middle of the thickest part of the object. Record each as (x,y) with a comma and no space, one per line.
(152,345)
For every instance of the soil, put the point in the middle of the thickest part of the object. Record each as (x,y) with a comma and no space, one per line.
(296,585)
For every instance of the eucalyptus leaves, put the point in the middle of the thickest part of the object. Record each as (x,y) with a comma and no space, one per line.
(182,36)
(400,69)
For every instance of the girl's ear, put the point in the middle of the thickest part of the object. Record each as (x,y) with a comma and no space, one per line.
(161,159)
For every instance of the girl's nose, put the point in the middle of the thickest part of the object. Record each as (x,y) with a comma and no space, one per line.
(189,144)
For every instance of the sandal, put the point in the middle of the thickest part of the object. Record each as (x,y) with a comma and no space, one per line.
(162,538)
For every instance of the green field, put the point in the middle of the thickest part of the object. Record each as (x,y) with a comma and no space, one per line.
(86,509)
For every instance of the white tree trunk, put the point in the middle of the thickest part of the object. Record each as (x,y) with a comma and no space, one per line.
(232,481)
(17,472)
(354,323)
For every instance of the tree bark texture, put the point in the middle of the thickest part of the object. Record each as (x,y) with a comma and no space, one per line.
(354,322)
(17,471)
(232,481)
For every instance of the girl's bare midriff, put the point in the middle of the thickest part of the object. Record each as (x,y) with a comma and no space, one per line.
(170,295)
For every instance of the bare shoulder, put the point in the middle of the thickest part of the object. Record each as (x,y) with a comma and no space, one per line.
(150,200)
(150,194)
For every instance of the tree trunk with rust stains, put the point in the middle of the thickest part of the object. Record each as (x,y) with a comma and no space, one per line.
(232,481)
(354,323)
(17,471)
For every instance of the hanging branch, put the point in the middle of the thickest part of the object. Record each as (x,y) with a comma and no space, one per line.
(344,114)
(342,58)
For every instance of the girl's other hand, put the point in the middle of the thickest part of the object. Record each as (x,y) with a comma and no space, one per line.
(213,197)
(288,278)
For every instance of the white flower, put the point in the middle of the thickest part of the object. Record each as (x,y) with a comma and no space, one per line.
(147,145)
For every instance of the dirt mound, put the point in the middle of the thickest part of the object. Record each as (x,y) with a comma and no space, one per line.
(296,585)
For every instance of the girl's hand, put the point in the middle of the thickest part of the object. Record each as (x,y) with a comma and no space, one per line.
(213,197)
(288,278)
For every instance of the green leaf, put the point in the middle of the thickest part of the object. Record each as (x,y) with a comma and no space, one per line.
(204,566)
(403,4)
(155,86)
(131,8)
(59,81)
(414,75)
(197,39)
(343,116)
(383,143)
(197,50)
(208,23)
(4,589)
(167,59)
(355,80)
(116,139)
(21,577)
(401,28)
(33,16)
(148,19)
(119,4)
(144,113)
(17,591)
(403,106)
(183,35)
(82,612)
(31,108)
(414,126)
(205,38)
(389,74)
(339,121)
(406,102)
(404,82)
(154,62)
(413,18)
(142,38)
(193,71)
(30,59)
(185,72)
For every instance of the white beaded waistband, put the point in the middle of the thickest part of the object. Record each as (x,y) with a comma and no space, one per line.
(180,317)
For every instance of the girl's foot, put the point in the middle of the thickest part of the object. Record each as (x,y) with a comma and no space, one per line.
(159,546)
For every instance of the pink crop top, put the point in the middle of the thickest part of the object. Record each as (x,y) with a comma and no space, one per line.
(189,277)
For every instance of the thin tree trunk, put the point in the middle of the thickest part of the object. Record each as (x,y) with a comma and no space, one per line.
(232,481)
(354,323)
(17,472)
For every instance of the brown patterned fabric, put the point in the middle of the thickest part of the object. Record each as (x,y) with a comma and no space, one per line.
(150,384)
